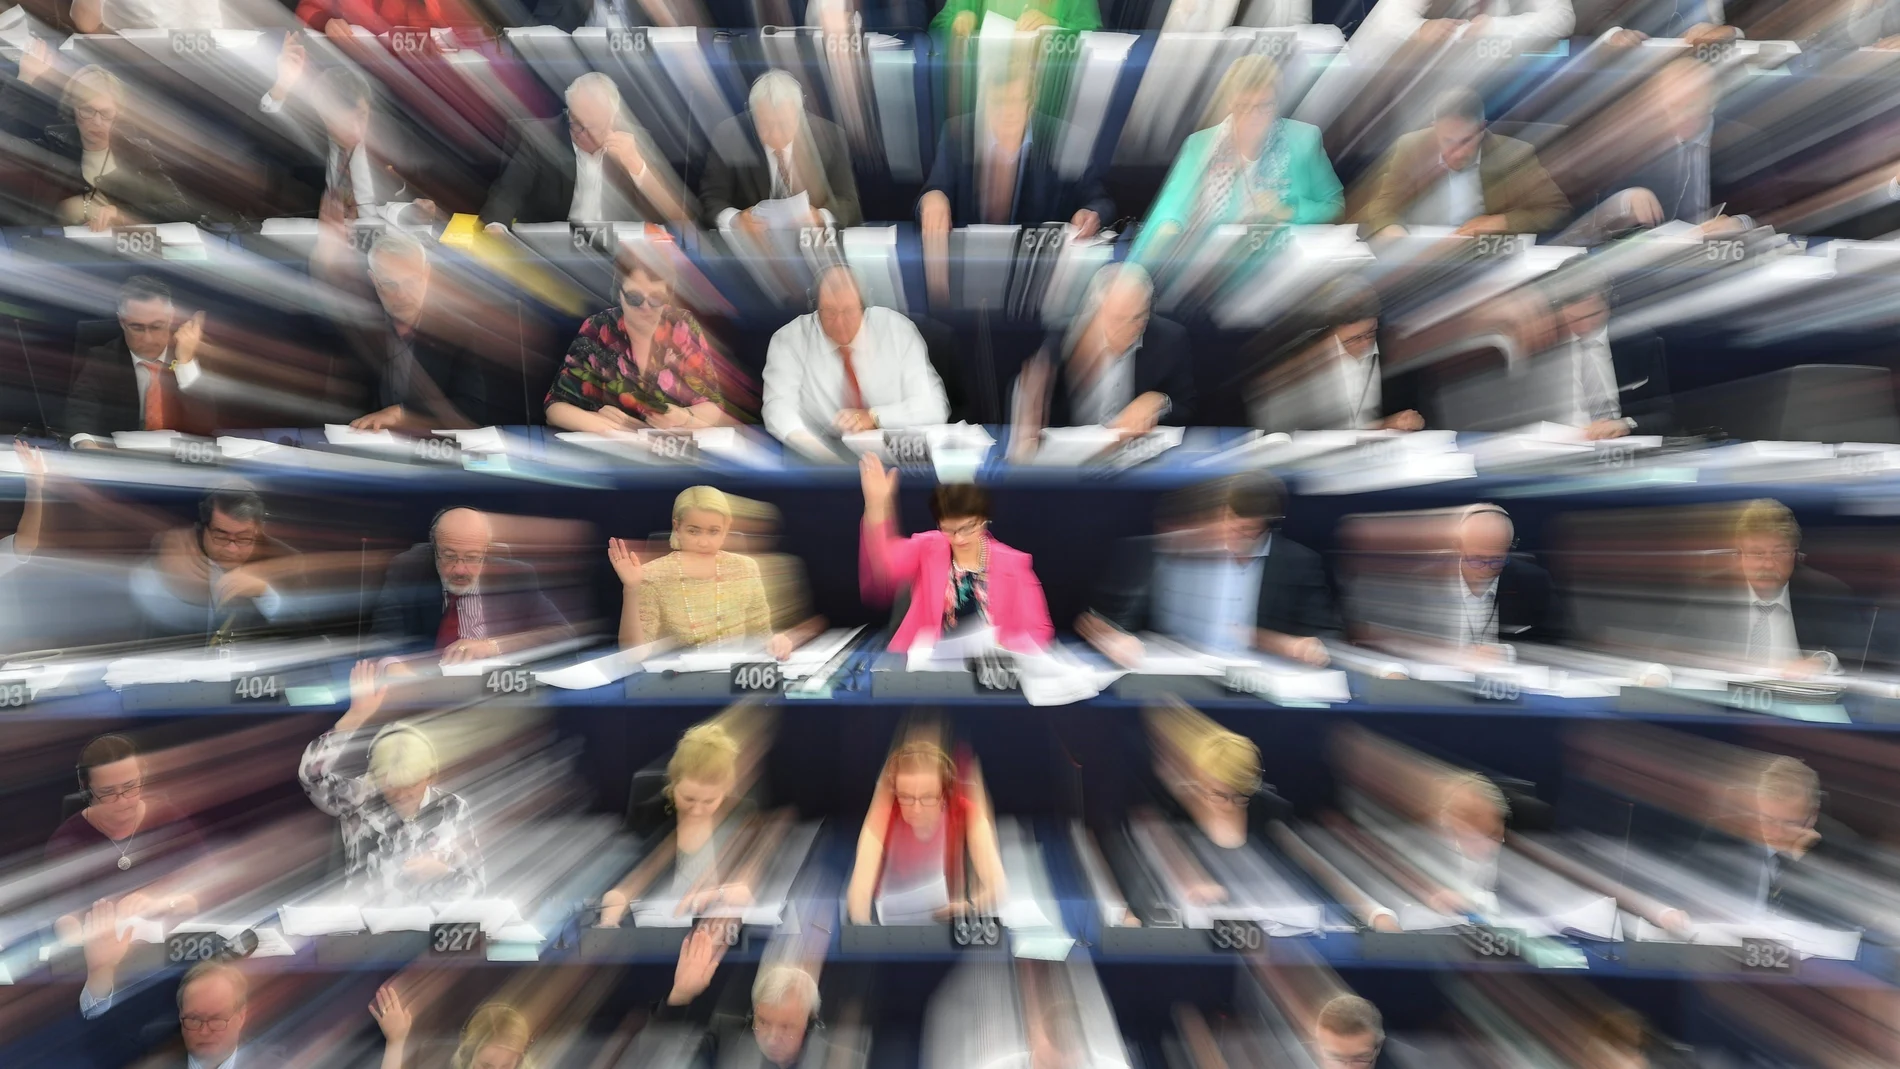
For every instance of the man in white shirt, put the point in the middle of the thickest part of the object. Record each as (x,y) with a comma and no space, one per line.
(844,368)
(1613,389)
(1779,594)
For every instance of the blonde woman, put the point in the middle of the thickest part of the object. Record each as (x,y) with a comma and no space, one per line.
(404,839)
(1247,165)
(109,177)
(496,1036)
(699,593)
(706,854)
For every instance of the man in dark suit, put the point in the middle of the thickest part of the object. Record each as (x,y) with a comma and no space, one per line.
(142,379)
(353,163)
(213,1004)
(451,594)
(777,150)
(1116,366)
(1219,577)
(992,167)
(1501,597)
(1348,1033)
(424,379)
(1789,616)
(593,165)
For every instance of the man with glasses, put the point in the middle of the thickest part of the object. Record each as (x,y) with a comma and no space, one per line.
(458,595)
(142,380)
(1348,1034)
(1498,598)
(222,575)
(213,1008)
(844,368)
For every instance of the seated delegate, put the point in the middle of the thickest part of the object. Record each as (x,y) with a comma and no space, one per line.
(645,362)
(960,578)
(845,368)
(453,593)
(927,811)
(1248,165)
(696,831)
(699,593)
(405,840)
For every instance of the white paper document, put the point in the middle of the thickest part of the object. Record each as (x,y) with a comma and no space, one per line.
(320,920)
(789,213)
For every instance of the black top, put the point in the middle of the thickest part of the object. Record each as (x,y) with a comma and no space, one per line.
(538,184)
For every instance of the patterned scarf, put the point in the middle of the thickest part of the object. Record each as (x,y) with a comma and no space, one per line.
(975,583)
(1228,188)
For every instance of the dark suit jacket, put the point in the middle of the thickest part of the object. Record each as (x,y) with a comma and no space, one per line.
(409,609)
(1527,604)
(1163,364)
(538,184)
(1642,383)
(1515,183)
(1827,616)
(104,396)
(447,381)
(303,171)
(738,175)
(136,183)
(1295,598)
(1042,194)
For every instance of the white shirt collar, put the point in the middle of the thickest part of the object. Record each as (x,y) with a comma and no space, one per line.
(1780,598)
(1490,589)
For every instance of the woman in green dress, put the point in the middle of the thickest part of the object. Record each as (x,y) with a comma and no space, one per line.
(1248,166)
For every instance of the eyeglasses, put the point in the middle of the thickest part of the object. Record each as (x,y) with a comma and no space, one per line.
(226,538)
(113,794)
(161,327)
(1776,553)
(636,299)
(195,1023)
(1364,337)
(91,113)
(450,558)
(963,530)
(1486,562)
(920,801)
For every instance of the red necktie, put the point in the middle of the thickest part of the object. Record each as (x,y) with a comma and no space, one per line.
(451,629)
(158,398)
(853,396)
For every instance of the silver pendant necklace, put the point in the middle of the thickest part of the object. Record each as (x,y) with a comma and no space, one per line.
(125,858)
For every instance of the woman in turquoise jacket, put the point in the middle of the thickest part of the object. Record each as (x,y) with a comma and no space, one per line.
(1252,166)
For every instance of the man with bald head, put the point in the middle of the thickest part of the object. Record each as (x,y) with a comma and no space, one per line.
(593,165)
(1498,598)
(458,595)
(843,368)
(1119,366)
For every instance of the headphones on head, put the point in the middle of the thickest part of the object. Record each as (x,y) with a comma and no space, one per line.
(392,730)
(1484,507)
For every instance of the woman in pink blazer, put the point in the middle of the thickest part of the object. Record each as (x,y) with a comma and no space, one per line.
(953,571)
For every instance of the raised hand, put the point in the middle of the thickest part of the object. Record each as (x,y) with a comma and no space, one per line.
(699,959)
(391,1015)
(368,691)
(291,64)
(187,338)
(880,486)
(106,946)
(625,561)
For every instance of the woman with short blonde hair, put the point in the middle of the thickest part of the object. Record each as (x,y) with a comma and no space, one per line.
(699,593)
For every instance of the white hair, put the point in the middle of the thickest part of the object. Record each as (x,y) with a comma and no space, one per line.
(395,243)
(598,84)
(776,88)
(779,983)
(401,756)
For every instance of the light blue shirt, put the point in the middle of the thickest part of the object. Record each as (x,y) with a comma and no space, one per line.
(1211,601)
